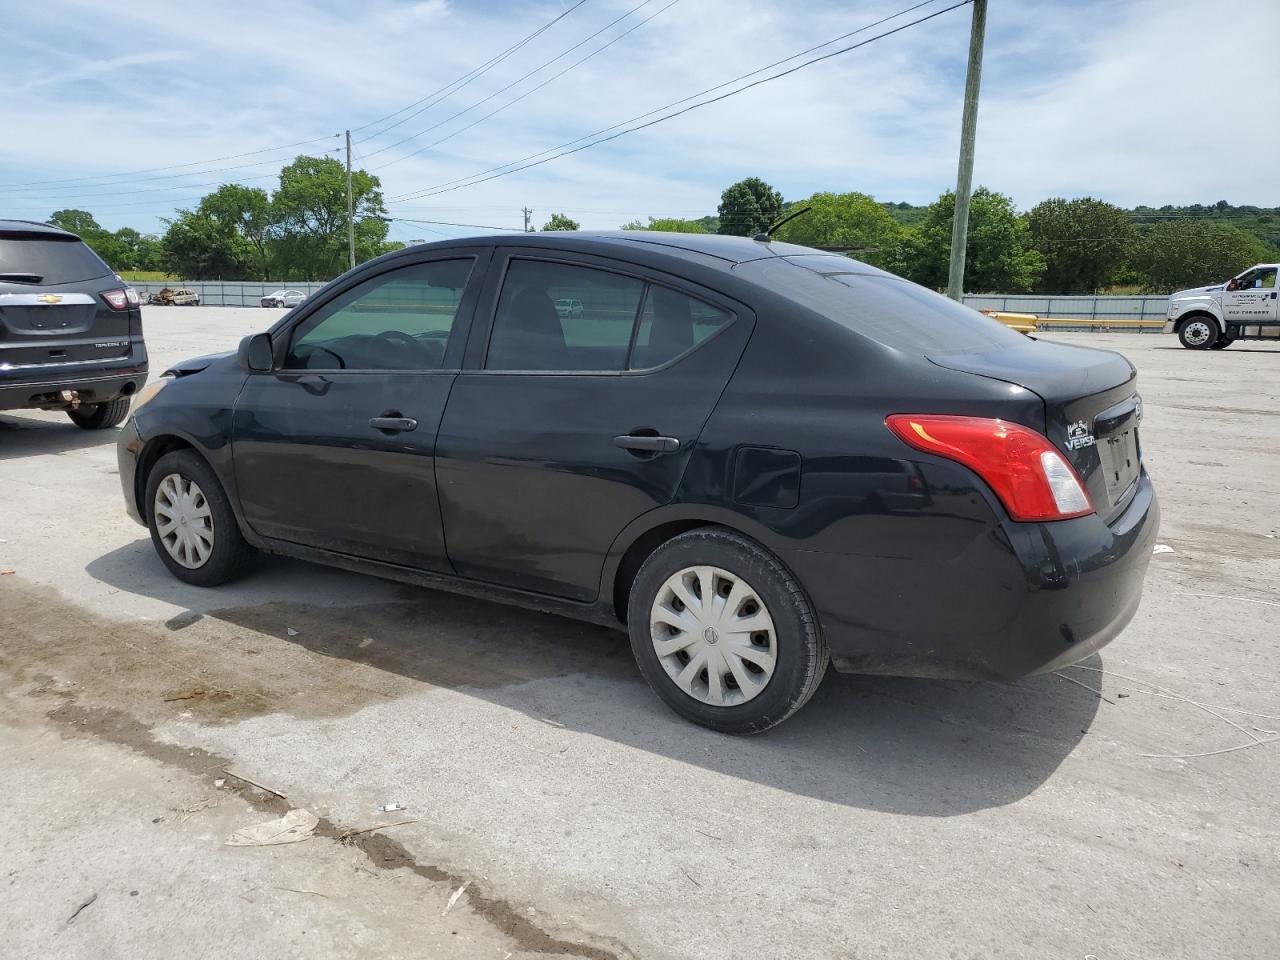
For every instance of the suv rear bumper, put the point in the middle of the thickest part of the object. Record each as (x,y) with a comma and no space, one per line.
(42,391)
(1025,599)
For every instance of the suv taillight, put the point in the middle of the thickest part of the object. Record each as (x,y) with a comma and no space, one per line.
(116,299)
(1031,478)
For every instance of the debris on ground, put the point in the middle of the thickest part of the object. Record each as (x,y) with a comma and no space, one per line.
(252,783)
(219,782)
(75,913)
(7,572)
(293,827)
(187,693)
(391,807)
(292,632)
(457,894)
(1162,548)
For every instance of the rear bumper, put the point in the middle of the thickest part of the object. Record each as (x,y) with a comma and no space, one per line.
(1026,599)
(94,386)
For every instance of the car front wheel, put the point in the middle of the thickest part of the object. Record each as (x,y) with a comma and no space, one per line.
(723,633)
(100,416)
(192,525)
(1198,333)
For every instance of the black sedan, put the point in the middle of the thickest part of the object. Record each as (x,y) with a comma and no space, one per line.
(755,457)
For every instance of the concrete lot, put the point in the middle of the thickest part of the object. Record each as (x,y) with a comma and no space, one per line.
(890,818)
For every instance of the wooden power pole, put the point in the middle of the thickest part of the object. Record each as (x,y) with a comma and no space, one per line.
(527,214)
(351,223)
(964,176)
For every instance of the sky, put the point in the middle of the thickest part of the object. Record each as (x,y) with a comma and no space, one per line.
(1133,101)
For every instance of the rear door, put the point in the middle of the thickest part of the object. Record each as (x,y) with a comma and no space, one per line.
(335,447)
(569,422)
(52,312)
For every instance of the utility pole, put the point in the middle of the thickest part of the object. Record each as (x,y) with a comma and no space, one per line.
(964,176)
(351,224)
(527,214)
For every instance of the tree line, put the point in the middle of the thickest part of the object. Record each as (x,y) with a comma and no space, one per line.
(296,232)
(1060,246)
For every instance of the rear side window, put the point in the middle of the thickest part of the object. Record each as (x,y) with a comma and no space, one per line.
(557,316)
(398,320)
(880,306)
(45,259)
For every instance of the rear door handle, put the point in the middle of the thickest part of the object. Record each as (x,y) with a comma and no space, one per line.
(647,444)
(393,424)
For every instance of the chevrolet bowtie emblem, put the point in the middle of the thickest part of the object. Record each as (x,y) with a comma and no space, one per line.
(49,298)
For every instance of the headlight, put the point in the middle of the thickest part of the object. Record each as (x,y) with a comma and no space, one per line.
(147,393)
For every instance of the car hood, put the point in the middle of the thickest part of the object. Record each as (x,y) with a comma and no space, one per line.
(187,367)
(1196,292)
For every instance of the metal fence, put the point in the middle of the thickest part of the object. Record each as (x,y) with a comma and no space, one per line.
(1088,310)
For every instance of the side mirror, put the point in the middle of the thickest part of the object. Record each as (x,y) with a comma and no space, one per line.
(255,353)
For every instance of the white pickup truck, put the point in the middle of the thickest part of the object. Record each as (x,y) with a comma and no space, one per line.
(1243,308)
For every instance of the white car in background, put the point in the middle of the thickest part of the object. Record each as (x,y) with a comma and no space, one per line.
(283,298)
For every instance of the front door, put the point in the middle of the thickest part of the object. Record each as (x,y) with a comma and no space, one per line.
(590,388)
(1253,301)
(335,447)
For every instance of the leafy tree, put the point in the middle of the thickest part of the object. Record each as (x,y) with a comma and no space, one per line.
(75,221)
(749,207)
(668,225)
(199,247)
(1175,254)
(559,221)
(998,256)
(311,218)
(247,210)
(1084,243)
(852,222)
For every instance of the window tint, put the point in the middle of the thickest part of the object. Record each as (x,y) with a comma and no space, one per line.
(881,306)
(671,324)
(399,320)
(554,316)
(52,259)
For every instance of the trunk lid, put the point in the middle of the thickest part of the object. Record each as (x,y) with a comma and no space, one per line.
(1092,409)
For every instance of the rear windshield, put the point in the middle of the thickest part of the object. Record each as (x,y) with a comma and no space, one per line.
(878,305)
(52,259)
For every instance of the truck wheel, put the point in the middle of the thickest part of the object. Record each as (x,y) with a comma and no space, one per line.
(723,633)
(100,416)
(1199,333)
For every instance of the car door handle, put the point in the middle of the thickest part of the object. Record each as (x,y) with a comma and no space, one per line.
(393,424)
(643,444)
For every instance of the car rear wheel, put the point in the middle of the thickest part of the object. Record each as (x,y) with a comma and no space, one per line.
(1198,333)
(723,633)
(100,416)
(192,525)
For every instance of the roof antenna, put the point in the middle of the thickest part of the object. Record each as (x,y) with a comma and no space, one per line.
(765,237)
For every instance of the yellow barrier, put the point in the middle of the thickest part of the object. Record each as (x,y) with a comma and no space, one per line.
(1030,322)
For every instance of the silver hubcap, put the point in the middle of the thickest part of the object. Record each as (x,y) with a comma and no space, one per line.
(1198,332)
(184,521)
(713,635)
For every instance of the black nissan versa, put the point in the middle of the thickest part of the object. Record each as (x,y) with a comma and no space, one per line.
(70,329)
(755,456)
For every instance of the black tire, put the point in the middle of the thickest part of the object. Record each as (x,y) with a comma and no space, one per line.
(800,651)
(1199,332)
(100,416)
(231,556)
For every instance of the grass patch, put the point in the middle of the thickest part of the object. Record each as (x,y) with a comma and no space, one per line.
(147,276)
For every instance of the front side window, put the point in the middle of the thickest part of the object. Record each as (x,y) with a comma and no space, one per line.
(398,320)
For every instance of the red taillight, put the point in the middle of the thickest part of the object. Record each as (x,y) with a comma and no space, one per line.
(1027,473)
(116,299)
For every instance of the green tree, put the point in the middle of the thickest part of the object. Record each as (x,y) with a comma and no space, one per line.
(667,225)
(999,256)
(1084,243)
(197,246)
(1176,254)
(559,221)
(249,212)
(749,207)
(852,222)
(74,221)
(310,208)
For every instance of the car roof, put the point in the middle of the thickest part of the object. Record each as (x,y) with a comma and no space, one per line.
(691,245)
(33,226)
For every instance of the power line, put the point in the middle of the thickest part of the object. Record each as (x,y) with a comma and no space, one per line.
(465,79)
(521,79)
(446,223)
(688,99)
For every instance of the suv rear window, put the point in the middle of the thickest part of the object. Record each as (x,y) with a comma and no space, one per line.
(51,258)
(880,306)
